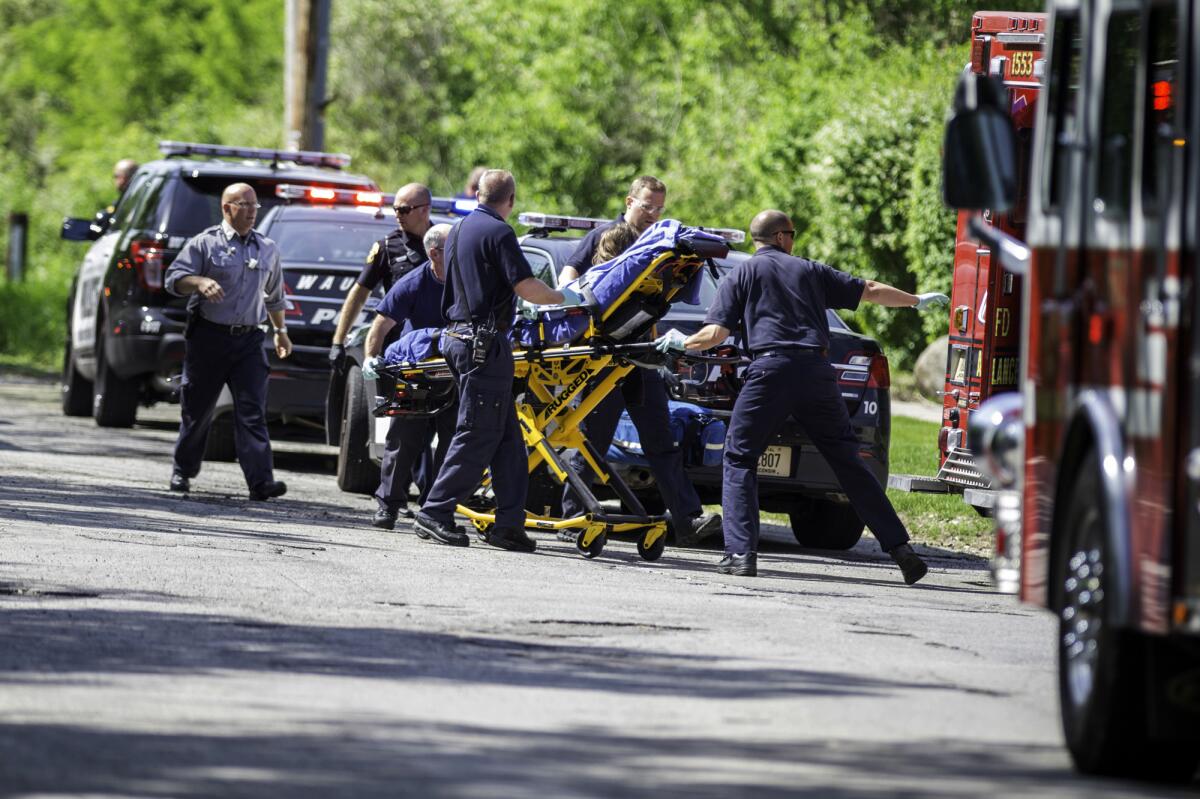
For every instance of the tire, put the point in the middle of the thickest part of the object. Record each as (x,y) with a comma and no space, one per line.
(219,446)
(1102,670)
(114,399)
(825,524)
(356,474)
(77,390)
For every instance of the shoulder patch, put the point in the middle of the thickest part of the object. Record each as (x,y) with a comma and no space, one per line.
(374,251)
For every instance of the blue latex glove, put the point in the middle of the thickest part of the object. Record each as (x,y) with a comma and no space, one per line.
(931,299)
(572,299)
(370,370)
(671,342)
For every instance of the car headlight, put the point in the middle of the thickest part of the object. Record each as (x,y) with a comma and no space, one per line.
(997,439)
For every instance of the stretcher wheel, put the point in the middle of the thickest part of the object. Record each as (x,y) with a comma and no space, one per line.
(593,549)
(655,550)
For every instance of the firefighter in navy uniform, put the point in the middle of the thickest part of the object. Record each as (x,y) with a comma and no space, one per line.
(779,303)
(643,394)
(233,279)
(391,258)
(485,272)
(414,302)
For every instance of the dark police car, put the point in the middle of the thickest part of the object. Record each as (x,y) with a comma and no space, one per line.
(793,476)
(124,332)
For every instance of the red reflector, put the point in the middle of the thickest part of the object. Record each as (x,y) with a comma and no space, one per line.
(317,193)
(1162,95)
(881,375)
(1095,329)
(293,307)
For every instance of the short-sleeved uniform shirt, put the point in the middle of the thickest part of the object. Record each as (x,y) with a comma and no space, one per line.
(581,258)
(415,301)
(247,267)
(779,300)
(483,263)
(391,258)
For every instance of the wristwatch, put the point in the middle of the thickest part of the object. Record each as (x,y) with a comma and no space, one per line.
(279,331)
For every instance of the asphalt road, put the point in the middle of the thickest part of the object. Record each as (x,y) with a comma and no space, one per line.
(209,646)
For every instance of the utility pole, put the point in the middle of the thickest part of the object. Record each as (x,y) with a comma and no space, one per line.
(306,49)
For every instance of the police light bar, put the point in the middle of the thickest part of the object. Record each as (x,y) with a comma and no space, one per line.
(452,206)
(729,234)
(553,222)
(306,157)
(325,194)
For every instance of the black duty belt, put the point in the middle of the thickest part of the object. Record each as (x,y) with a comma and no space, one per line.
(806,351)
(231,330)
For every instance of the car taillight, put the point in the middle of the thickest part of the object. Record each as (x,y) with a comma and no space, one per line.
(146,256)
(880,375)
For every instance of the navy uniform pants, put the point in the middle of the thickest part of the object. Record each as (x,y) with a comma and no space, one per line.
(213,359)
(801,383)
(644,394)
(486,436)
(406,457)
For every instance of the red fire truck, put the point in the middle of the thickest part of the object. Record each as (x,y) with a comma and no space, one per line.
(1098,455)
(985,308)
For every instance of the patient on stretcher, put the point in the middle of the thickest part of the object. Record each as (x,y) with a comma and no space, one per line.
(605,283)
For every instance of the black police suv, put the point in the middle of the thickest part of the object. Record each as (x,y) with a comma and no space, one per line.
(793,476)
(124,332)
(349,424)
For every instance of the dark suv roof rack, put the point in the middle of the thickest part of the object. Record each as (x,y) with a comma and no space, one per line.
(306,157)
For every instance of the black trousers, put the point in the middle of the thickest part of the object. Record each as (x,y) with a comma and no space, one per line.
(803,384)
(486,436)
(406,457)
(212,360)
(644,394)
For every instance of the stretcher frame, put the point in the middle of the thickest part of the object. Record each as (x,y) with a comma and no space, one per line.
(551,422)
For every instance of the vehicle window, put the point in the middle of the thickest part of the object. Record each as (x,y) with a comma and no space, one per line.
(130,201)
(145,216)
(326,242)
(1117,114)
(1162,82)
(1064,118)
(196,203)
(541,264)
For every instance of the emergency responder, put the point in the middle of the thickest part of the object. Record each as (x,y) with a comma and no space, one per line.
(472,186)
(414,302)
(643,394)
(122,173)
(779,302)
(391,258)
(484,269)
(234,281)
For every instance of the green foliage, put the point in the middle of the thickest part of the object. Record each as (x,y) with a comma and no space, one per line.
(829,109)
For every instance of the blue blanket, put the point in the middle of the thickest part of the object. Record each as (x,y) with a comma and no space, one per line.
(700,437)
(609,281)
(415,345)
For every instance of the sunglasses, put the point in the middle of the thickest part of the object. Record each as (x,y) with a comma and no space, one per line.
(404,210)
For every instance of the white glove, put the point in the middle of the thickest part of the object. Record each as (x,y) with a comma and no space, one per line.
(931,299)
(671,341)
(370,370)
(571,299)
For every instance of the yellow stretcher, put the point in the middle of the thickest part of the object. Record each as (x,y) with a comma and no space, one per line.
(556,388)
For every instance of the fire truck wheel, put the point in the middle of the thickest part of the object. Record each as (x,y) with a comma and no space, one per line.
(825,524)
(1102,669)
(356,474)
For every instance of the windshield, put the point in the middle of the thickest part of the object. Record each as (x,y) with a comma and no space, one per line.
(327,242)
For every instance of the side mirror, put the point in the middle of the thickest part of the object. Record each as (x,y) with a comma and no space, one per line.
(79,230)
(979,154)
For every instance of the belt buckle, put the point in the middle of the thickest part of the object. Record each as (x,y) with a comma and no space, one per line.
(239,330)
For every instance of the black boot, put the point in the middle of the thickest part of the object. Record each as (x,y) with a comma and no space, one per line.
(910,563)
(739,565)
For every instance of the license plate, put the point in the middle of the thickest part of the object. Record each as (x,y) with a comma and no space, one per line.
(776,462)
